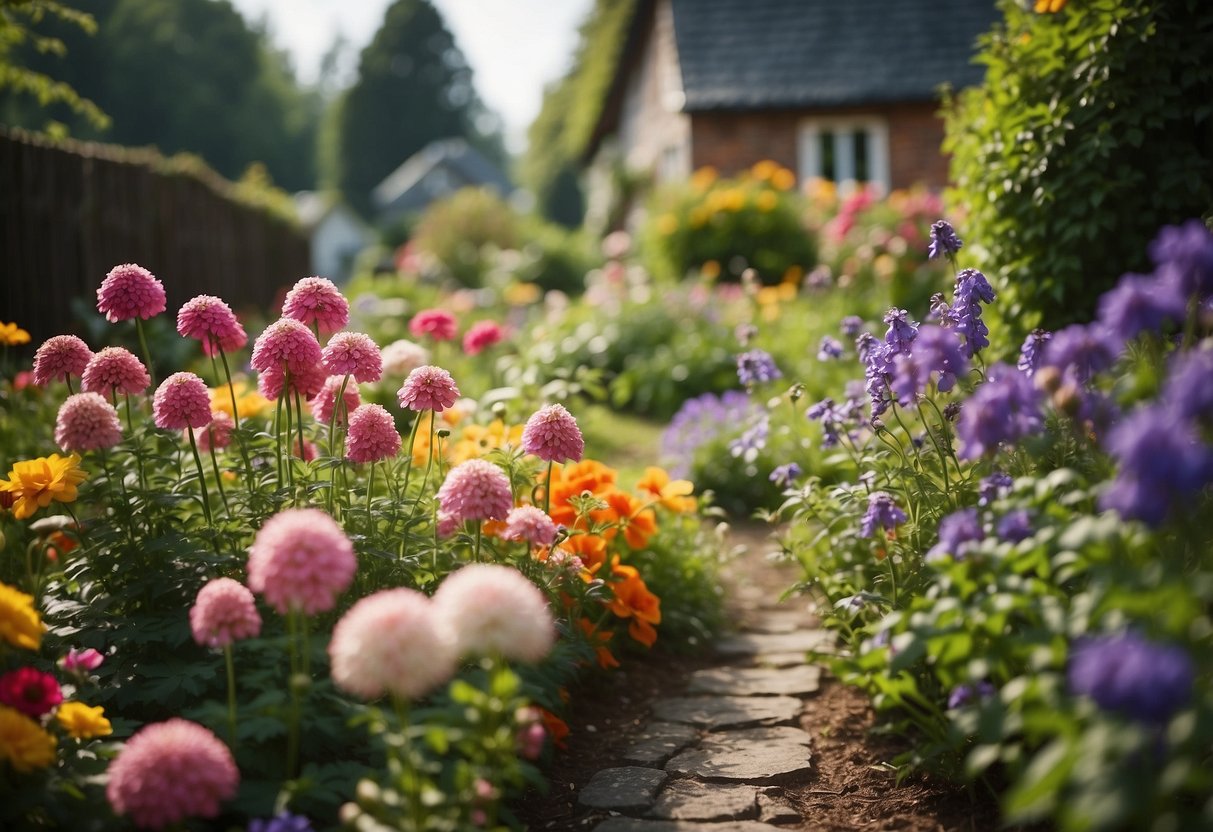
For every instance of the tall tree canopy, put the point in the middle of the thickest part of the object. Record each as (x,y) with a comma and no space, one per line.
(413,87)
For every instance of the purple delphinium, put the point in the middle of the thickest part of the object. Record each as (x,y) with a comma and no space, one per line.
(1161,462)
(752,440)
(882,513)
(957,533)
(700,421)
(1081,351)
(833,420)
(1031,354)
(281,822)
(1141,303)
(992,487)
(865,347)
(757,367)
(1184,257)
(963,695)
(784,475)
(902,331)
(1005,408)
(745,333)
(1140,679)
(851,325)
(935,351)
(1188,391)
(829,348)
(944,242)
(972,289)
(877,359)
(1014,526)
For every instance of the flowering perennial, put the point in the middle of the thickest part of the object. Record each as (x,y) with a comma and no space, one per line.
(115,370)
(476,490)
(428,388)
(87,422)
(301,560)
(372,435)
(60,357)
(355,354)
(182,401)
(224,612)
(552,435)
(130,291)
(318,301)
(213,323)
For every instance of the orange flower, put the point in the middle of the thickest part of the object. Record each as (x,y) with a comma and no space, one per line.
(626,512)
(556,727)
(673,494)
(570,481)
(634,600)
(591,548)
(599,638)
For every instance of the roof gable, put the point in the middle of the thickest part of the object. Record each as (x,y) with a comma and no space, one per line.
(462,161)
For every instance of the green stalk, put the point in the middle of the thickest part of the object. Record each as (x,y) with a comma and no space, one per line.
(206,497)
(231,695)
(147,354)
(370,489)
(547,490)
(219,482)
(479,534)
(231,391)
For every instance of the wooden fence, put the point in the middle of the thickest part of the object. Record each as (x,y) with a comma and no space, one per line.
(71,211)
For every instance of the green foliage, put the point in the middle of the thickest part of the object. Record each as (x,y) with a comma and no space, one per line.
(1093,128)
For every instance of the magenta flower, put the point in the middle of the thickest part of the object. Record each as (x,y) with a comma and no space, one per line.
(212,322)
(352,353)
(81,661)
(476,490)
(115,369)
(301,560)
(224,612)
(391,642)
(317,300)
(181,401)
(87,422)
(552,435)
(428,388)
(325,401)
(286,344)
(130,291)
(372,435)
(59,357)
(307,382)
(218,434)
(436,323)
(30,691)
(530,524)
(482,335)
(493,609)
(169,772)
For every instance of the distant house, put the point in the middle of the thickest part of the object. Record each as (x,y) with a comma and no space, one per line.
(335,232)
(846,91)
(437,170)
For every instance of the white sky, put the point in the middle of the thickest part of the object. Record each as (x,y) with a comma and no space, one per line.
(515,47)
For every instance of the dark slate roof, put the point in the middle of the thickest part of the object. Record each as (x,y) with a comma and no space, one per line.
(754,54)
(464,165)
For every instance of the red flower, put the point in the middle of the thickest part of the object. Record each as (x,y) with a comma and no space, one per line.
(30,691)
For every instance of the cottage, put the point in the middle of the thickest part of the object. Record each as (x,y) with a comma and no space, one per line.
(335,233)
(437,170)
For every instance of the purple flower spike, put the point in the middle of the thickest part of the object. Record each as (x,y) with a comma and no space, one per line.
(1126,674)
(882,513)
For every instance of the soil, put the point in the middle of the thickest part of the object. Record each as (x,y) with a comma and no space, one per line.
(853,787)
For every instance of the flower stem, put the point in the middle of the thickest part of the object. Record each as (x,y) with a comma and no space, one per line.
(206,497)
(370,489)
(219,482)
(231,391)
(479,534)
(231,695)
(147,354)
(547,490)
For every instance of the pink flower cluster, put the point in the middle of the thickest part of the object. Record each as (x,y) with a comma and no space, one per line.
(130,291)
(301,560)
(169,772)
(286,344)
(223,613)
(59,357)
(81,661)
(552,435)
(307,383)
(218,434)
(495,610)
(402,357)
(326,400)
(30,691)
(181,401)
(428,388)
(115,369)
(353,353)
(212,322)
(436,323)
(482,335)
(475,490)
(316,300)
(87,422)
(372,435)
(530,524)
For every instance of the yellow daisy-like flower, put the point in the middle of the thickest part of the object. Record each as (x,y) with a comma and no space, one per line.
(1049,6)
(12,335)
(522,294)
(766,201)
(764,170)
(83,721)
(34,483)
(248,399)
(704,178)
(673,494)
(23,742)
(784,179)
(19,621)
(667,224)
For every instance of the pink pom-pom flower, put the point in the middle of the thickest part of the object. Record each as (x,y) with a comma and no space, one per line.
(286,344)
(494,610)
(402,357)
(476,490)
(372,435)
(428,388)
(181,401)
(130,291)
(307,382)
(212,322)
(218,434)
(530,524)
(482,335)
(391,642)
(224,612)
(355,354)
(552,435)
(59,357)
(87,422)
(325,401)
(169,772)
(436,323)
(115,369)
(317,300)
(301,560)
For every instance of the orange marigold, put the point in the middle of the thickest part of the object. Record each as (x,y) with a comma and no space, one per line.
(673,494)
(625,512)
(634,601)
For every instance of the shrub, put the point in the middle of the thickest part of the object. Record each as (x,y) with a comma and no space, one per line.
(458,232)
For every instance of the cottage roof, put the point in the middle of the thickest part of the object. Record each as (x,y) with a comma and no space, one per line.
(467,164)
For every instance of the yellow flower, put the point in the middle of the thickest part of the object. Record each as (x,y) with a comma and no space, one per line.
(19,621)
(1050,6)
(673,494)
(23,742)
(83,721)
(764,170)
(822,190)
(667,224)
(12,335)
(710,269)
(784,179)
(703,178)
(522,294)
(477,440)
(766,201)
(248,399)
(33,483)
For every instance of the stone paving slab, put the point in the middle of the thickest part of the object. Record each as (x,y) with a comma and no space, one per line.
(634,825)
(757,681)
(717,712)
(774,810)
(658,742)
(759,644)
(688,800)
(747,736)
(775,622)
(754,759)
(624,789)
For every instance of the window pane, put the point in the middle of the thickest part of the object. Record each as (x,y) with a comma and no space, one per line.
(859,142)
(825,149)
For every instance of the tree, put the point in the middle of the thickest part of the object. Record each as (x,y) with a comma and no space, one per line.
(413,87)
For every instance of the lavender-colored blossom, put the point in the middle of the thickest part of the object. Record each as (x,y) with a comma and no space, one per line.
(940,308)
(865,345)
(829,348)
(1006,408)
(819,278)
(1127,674)
(1015,526)
(901,329)
(882,513)
(784,475)
(1184,257)
(1081,351)
(752,440)
(1188,391)
(1141,303)
(281,822)
(700,421)
(833,419)
(944,242)
(745,333)
(936,351)
(1031,354)
(992,487)
(851,325)
(972,289)
(1162,462)
(757,367)
(958,532)
(963,695)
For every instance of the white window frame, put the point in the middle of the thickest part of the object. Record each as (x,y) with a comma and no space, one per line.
(809,154)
